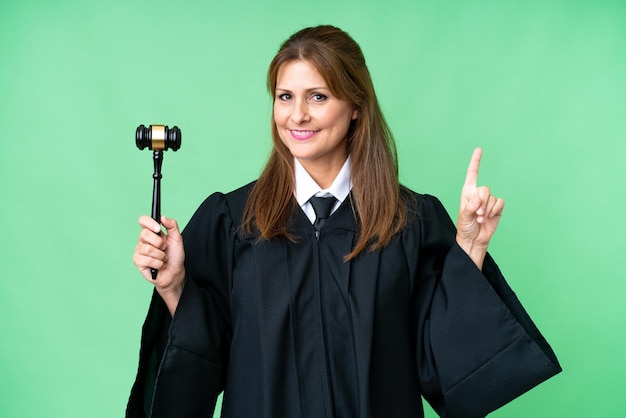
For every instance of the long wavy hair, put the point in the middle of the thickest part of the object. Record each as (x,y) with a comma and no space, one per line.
(380,208)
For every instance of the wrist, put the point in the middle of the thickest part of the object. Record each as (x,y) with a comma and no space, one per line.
(476,251)
(171,293)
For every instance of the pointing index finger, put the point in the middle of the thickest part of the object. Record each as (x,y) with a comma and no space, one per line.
(472,170)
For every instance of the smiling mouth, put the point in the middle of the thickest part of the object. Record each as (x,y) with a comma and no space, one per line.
(302,134)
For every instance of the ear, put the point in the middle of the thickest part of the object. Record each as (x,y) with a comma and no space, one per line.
(355,114)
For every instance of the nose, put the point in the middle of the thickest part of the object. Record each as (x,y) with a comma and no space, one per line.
(300,112)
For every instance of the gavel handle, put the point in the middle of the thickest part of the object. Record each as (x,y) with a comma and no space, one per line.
(156,195)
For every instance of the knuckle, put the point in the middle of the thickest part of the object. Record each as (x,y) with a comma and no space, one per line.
(143,235)
(153,251)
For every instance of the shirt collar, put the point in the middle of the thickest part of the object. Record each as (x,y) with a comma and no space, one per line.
(306,187)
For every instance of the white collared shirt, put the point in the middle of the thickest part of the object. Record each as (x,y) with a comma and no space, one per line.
(306,188)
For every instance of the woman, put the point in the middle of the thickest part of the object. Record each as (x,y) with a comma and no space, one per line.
(355,312)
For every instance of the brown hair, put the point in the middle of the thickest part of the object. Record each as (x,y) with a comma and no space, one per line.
(374,173)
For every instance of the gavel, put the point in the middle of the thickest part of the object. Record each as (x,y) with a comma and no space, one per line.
(158,138)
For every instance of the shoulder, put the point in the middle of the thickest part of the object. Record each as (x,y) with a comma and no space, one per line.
(428,219)
(239,196)
(419,204)
(233,199)
(223,207)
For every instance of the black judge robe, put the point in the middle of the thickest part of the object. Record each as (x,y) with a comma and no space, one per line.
(290,330)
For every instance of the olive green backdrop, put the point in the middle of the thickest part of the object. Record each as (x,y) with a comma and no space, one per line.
(540,85)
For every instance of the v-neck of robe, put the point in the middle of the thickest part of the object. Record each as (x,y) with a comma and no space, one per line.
(342,218)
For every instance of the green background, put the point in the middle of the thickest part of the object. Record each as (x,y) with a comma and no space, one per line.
(540,85)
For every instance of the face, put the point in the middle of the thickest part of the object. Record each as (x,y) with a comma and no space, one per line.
(310,121)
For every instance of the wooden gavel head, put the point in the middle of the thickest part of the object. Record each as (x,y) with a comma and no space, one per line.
(158,138)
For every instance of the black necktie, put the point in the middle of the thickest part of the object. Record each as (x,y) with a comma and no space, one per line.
(322,207)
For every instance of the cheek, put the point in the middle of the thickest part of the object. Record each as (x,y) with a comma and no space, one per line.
(279,128)
(277,115)
(342,123)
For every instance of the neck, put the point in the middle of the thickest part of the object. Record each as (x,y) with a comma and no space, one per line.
(323,172)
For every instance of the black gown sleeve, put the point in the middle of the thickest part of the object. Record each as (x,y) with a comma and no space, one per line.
(477,347)
(183,360)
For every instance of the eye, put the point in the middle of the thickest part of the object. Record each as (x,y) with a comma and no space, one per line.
(284,97)
(318,97)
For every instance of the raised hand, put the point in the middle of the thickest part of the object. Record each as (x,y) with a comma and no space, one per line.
(479,214)
(165,253)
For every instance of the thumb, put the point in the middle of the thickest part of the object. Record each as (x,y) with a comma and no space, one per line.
(468,211)
(171,226)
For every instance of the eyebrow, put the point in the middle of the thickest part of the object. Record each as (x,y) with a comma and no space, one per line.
(307,90)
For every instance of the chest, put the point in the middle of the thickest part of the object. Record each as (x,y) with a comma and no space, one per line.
(277,281)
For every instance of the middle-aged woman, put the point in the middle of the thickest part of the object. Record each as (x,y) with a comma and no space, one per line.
(325,288)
